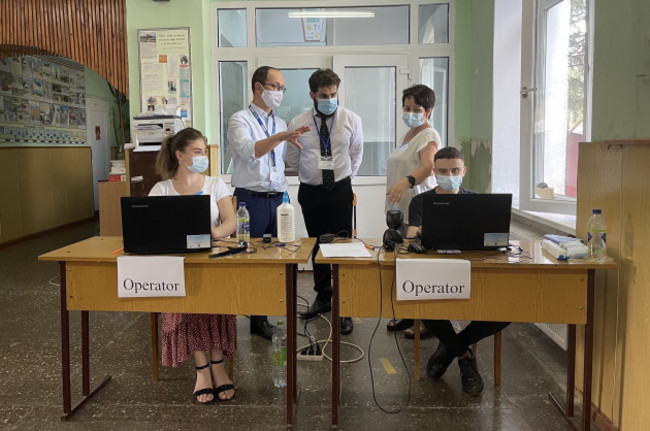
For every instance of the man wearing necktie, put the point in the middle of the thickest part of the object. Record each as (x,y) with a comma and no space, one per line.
(328,160)
(257,140)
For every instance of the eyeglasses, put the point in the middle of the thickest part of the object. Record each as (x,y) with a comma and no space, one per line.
(276,87)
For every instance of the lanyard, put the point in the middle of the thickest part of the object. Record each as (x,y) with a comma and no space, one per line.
(329,138)
(265,130)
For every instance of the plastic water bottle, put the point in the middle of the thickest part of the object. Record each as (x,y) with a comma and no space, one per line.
(286,224)
(243,225)
(279,372)
(597,237)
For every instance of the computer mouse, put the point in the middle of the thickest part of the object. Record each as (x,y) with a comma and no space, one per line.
(416,247)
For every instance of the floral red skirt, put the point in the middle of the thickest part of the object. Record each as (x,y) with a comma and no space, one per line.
(184,334)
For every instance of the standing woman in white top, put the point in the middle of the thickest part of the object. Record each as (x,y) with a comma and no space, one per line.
(409,169)
(208,338)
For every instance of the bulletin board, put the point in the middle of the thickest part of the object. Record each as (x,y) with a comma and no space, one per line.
(166,71)
(42,102)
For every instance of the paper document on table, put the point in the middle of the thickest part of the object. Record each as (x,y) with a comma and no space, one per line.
(345,249)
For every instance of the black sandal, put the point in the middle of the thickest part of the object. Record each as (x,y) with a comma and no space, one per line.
(222,388)
(399,324)
(204,391)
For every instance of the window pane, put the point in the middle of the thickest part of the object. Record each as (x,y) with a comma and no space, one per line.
(232,27)
(433,20)
(370,92)
(560,100)
(390,25)
(233,87)
(296,100)
(434,73)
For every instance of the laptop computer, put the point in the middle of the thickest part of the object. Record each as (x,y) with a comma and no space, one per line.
(166,224)
(466,221)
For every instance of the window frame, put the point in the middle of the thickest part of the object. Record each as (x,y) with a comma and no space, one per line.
(250,54)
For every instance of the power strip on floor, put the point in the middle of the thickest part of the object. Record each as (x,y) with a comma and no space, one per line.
(308,354)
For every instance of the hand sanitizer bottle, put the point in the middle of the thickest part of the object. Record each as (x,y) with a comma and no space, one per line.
(286,221)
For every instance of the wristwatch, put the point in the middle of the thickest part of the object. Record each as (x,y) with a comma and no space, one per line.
(411,180)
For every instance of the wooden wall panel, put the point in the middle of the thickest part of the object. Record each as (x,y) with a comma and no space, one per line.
(10,223)
(43,188)
(90,32)
(613,176)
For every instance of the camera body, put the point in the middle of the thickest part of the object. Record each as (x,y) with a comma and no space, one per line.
(392,236)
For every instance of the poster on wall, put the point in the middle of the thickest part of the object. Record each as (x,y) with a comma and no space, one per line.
(165,72)
(41,102)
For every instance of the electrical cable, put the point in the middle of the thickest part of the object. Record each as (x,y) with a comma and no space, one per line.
(53,283)
(327,341)
(408,374)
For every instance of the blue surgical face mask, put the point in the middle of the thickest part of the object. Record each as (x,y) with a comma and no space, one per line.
(199,164)
(327,106)
(413,119)
(449,183)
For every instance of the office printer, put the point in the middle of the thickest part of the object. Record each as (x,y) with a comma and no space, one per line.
(148,131)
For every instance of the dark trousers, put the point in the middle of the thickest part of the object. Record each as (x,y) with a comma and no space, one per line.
(457,344)
(326,212)
(262,213)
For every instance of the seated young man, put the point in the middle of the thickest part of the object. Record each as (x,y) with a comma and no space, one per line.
(449,168)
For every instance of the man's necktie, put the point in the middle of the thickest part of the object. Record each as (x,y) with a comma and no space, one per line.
(328,174)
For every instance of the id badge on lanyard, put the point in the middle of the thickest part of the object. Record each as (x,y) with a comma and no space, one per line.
(326,162)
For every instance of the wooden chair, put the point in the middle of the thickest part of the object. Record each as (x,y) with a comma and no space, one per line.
(154,331)
(497,353)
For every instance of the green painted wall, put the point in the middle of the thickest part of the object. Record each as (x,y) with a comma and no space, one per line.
(473,112)
(621,73)
(474,58)
(195,14)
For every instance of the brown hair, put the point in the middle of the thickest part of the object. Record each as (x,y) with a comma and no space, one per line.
(323,78)
(421,94)
(166,162)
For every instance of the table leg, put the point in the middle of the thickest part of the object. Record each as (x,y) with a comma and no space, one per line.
(65,343)
(587,366)
(290,276)
(68,409)
(588,353)
(336,352)
(85,354)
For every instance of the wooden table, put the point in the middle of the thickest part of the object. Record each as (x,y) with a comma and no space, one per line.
(261,283)
(520,286)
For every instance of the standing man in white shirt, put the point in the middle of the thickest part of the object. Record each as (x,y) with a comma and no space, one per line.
(257,139)
(328,160)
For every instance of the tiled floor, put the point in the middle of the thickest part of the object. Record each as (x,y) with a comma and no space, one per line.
(30,386)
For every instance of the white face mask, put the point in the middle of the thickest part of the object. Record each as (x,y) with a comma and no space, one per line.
(199,164)
(272,99)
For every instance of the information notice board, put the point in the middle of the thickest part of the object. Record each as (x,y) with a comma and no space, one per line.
(166,71)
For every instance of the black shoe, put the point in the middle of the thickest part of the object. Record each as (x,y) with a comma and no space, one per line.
(439,362)
(409,333)
(346,325)
(318,307)
(399,325)
(469,376)
(264,329)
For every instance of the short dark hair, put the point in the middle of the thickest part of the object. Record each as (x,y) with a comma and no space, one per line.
(323,78)
(260,75)
(448,153)
(421,94)
(166,161)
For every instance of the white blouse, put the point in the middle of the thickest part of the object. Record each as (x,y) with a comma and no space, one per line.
(403,161)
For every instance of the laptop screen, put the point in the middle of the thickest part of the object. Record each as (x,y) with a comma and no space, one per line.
(466,221)
(166,224)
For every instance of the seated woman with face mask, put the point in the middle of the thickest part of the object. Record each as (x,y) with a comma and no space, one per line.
(409,169)
(207,338)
